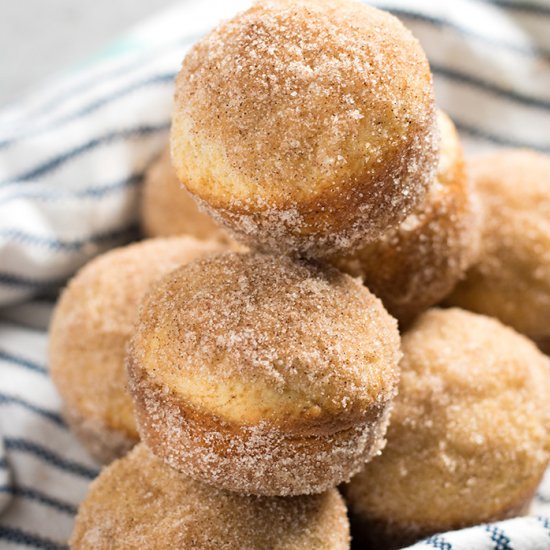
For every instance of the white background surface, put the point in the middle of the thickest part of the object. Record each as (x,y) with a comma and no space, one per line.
(39,38)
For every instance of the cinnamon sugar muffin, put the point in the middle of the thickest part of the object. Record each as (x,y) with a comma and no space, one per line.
(168,209)
(139,502)
(306,126)
(262,375)
(415,265)
(511,280)
(469,436)
(89,330)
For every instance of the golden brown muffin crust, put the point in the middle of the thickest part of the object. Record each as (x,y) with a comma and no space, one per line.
(417,264)
(306,125)
(468,440)
(511,280)
(139,502)
(93,322)
(253,459)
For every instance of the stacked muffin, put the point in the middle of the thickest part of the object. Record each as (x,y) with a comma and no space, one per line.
(259,379)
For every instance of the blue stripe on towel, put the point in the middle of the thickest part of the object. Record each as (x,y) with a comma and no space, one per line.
(491,137)
(19,536)
(41,498)
(49,457)
(437,541)
(107,139)
(73,245)
(92,107)
(489,87)
(52,416)
(499,537)
(526,7)
(22,362)
(10,279)
(48,300)
(545,523)
(446,24)
(92,192)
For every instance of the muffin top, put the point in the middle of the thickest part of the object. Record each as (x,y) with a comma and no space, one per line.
(254,338)
(469,435)
(317,115)
(140,502)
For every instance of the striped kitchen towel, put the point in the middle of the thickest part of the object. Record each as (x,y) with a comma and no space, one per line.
(71,162)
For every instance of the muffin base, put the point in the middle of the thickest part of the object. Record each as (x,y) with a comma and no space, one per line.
(260,459)
(377,534)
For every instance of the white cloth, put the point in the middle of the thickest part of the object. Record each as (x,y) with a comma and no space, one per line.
(71,160)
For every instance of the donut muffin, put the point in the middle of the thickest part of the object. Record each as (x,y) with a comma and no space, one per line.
(306,126)
(139,502)
(469,438)
(511,280)
(167,209)
(415,265)
(89,330)
(262,375)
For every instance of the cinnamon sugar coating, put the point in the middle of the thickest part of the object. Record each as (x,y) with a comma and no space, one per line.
(511,280)
(306,126)
(469,438)
(263,375)
(91,325)
(141,503)
(418,263)
(167,208)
